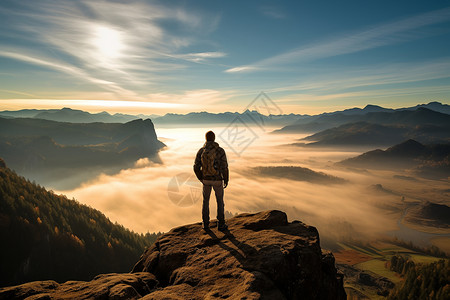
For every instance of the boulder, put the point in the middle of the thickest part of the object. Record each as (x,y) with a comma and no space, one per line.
(260,256)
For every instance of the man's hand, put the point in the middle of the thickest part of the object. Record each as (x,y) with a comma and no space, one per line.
(225,184)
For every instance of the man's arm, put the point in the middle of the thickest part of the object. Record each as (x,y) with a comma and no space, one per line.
(223,165)
(198,165)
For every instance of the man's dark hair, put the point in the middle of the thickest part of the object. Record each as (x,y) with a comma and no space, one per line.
(210,136)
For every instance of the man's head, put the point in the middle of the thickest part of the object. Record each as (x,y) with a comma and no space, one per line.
(210,136)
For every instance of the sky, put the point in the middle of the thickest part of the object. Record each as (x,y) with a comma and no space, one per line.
(155,57)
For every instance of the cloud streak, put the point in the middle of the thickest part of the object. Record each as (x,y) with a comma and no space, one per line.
(382,35)
(370,77)
(65,38)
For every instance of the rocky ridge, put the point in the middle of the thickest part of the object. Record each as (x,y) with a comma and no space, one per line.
(260,256)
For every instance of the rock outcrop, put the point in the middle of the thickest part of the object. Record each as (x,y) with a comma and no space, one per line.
(260,256)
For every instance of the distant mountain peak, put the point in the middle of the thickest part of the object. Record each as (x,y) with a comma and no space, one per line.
(408,148)
(371,106)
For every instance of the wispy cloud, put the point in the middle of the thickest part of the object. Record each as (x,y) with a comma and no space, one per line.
(199,57)
(272,12)
(378,36)
(116,46)
(371,77)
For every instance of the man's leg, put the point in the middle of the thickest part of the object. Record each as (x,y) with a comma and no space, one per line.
(205,207)
(218,190)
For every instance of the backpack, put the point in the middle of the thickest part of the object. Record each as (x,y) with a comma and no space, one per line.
(209,163)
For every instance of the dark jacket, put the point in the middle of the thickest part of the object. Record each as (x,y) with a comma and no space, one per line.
(222,163)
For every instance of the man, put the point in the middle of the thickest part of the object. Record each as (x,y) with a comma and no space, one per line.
(211,168)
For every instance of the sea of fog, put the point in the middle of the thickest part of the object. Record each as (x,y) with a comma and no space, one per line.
(155,197)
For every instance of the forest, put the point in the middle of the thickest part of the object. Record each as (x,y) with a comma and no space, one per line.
(421,281)
(47,236)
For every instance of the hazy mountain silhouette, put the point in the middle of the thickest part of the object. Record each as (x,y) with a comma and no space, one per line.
(248,117)
(58,154)
(382,129)
(47,236)
(299,123)
(23,113)
(71,115)
(79,116)
(309,123)
(297,173)
(421,115)
(436,106)
(429,161)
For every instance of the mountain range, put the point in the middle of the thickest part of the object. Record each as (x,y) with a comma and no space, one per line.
(72,115)
(370,114)
(250,118)
(79,116)
(292,122)
(385,129)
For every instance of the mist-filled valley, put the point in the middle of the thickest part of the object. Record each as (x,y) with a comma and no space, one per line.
(370,201)
(364,204)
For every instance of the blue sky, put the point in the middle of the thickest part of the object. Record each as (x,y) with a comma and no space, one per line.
(181,56)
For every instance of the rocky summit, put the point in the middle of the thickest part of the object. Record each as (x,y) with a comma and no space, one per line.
(260,256)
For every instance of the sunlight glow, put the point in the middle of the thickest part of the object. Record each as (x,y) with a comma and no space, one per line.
(108,42)
(92,105)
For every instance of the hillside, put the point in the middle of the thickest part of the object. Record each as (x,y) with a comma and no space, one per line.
(420,116)
(260,256)
(357,134)
(50,152)
(430,214)
(47,236)
(298,174)
(430,161)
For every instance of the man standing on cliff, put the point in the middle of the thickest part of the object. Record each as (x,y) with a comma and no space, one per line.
(211,168)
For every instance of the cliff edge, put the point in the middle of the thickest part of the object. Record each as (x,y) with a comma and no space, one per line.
(260,256)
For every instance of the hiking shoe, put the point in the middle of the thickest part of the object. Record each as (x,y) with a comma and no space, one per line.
(222,227)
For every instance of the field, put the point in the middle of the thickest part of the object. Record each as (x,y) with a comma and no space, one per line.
(372,259)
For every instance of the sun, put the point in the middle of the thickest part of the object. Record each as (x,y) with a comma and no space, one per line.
(108,42)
